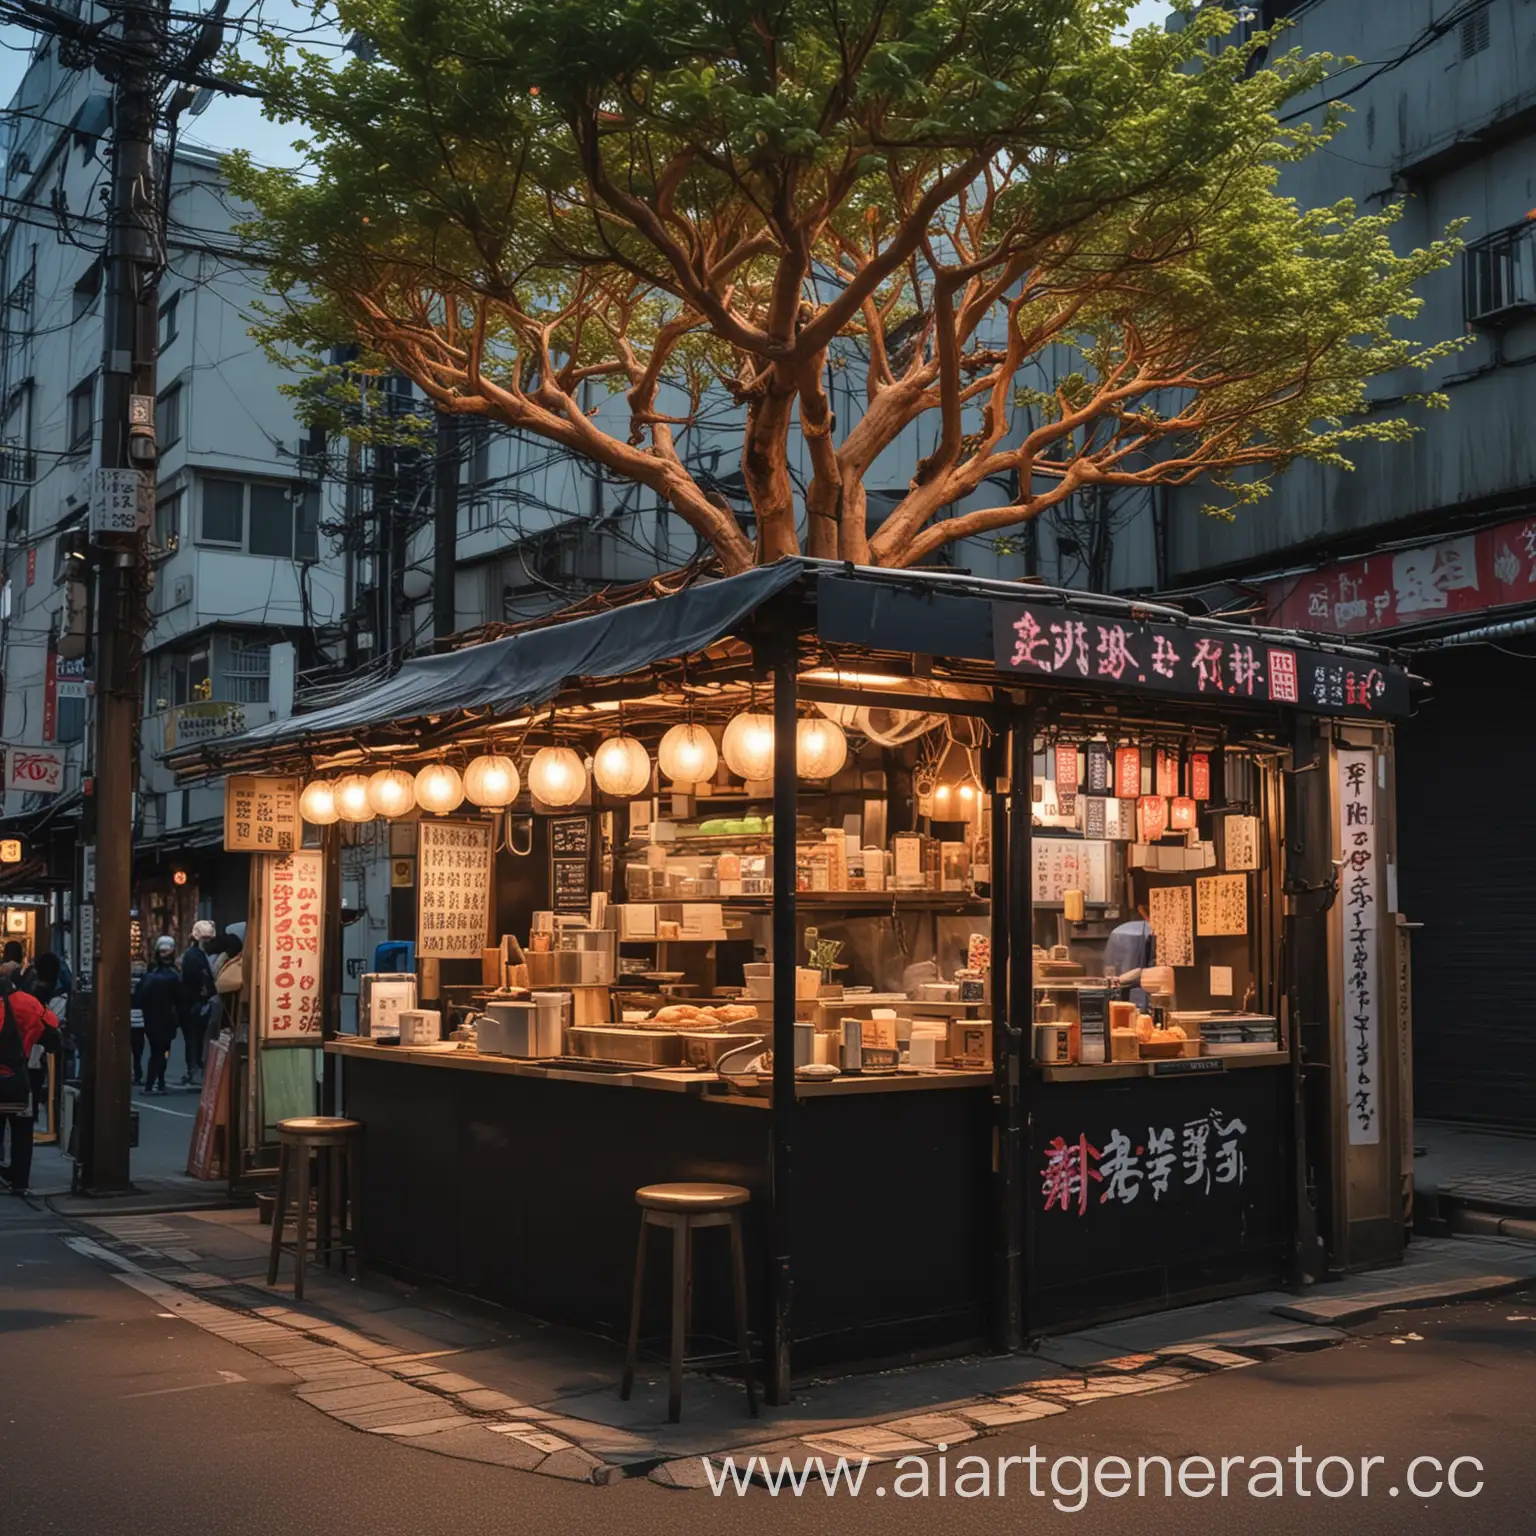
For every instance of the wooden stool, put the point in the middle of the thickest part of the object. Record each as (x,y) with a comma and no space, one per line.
(684,1207)
(331,1141)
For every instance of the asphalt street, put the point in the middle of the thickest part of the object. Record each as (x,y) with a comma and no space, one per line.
(120,1419)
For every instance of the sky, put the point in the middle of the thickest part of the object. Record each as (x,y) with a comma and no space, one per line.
(231,122)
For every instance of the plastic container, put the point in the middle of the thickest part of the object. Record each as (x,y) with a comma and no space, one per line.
(549,1034)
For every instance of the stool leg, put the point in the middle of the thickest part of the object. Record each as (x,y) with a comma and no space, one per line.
(353,1155)
(739,1288)
(279,1213)
(323,1205)
(632,1352)
(301,1226)
(681,1253)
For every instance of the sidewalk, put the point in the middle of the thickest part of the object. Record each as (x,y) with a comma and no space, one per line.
(476,1382)
(1473,1180)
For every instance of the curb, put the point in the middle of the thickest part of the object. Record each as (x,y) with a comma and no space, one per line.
(1340,1314)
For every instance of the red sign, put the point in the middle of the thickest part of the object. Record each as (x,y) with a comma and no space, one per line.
(31,564)
(50,696)
(27,768)
(1493,568)
(1066,769)
(1167,772)
(1128,773)
(1200,776)
(1153,813)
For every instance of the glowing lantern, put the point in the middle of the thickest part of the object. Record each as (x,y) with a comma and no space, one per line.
(556,776)
(821,749)
(747,746)
(492,782)
(439,789)
(392,791)
(687,754)
(622,767)
(317,805)
(352,798)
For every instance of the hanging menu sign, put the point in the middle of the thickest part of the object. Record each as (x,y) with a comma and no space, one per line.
(1221,905)
(1170,912)
(1240,841)
(1066,768)
(1200,776)
(1097,782)
(290,926)
(1128,772)
(1036,640)
(1167,777)
(1359,920)
(453,891)
(261,815)
(570,837)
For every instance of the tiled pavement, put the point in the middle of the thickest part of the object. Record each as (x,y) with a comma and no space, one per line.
(486,1385)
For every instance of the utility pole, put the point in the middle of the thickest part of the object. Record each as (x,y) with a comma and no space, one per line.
(127,443)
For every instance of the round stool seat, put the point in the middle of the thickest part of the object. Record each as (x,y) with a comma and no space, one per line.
(692,1199)
(314,1128)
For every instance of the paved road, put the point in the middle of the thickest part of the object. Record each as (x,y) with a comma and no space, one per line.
(119,1419)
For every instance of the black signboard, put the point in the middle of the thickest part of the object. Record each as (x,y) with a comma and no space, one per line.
(1149,1187)
(1064,645)
(571,885)
(570,837)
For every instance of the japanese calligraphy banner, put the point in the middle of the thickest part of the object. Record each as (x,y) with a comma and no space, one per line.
(453,888)
(261,815)
(290,927)
(1359,908)
(1065,645)
(1492,568)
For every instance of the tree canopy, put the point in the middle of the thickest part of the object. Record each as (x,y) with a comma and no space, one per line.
(517,203)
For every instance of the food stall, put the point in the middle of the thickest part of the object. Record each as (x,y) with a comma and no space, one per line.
(1045,979)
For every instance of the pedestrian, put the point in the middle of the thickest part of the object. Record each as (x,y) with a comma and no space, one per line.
(49,989)
(25,1026)
(158,996)
(196,996)
(228,978)
(136,1024)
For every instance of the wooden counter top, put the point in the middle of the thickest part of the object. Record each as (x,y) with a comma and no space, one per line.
(665,1080)
(1096,1071)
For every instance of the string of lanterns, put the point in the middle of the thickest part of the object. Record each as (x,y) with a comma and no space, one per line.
(557,776)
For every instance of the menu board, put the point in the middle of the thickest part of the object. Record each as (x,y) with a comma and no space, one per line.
(1240,842)
(570,837)
(1360,923)
(289,928)
(1170,910)
(1221,905)
(1062,864)
(570,885)
(261,815)
(453,890)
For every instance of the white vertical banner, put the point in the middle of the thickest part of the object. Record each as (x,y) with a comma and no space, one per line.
(1359,907)
(291,927)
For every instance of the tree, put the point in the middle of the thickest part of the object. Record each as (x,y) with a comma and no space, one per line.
(1064,252)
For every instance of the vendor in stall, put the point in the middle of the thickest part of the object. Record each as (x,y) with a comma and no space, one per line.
(1131,948)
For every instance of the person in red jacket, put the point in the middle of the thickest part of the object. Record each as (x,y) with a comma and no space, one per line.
(25,1025)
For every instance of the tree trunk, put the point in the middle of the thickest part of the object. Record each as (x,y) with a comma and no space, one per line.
(765,468)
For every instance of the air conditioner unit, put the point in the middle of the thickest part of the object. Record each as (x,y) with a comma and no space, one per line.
(181,591)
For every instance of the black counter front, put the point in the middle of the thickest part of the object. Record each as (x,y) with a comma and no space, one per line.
(520,1189)
(1156,1191)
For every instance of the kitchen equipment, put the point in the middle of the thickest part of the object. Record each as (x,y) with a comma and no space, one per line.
(805,1044)
(704,1048)
(508,1029)
(420,1026)
(615,1042)
(550,1008)
(1053,1044)
(852,1058)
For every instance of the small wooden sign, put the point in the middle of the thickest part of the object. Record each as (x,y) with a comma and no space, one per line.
(261,815)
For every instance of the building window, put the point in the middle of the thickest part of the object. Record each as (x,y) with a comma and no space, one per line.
(69,720)
(1499,275)
(248,678)
(87,290)
(168,520)
(165,332)
(82,414)
(262,517)
(479,450)
(168,418)
(1474,33)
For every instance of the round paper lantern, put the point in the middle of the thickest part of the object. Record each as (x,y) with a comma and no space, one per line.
(687,754)
(352,798)
(392,791)
(821,749)
(317,805)
(557,776)
(492,781)
(439,789)
(747,746)
(622,766)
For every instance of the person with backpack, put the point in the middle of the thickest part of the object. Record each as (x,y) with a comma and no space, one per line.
(196,997)
(25,1025)
(158,998)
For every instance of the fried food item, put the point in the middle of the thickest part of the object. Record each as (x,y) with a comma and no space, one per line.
(1144,1029)
(732,1013)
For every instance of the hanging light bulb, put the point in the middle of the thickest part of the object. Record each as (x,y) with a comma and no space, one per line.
(352,798)
(317,805)
(622,766)
(492,782)
(557,776)
(439,789)
(392,791)
(687,754)
(821,749)
(747,746)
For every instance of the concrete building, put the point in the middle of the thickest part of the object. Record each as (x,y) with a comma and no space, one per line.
(1429,546)
(243,578)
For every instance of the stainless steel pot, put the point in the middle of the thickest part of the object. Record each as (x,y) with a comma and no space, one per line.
(613,1042)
